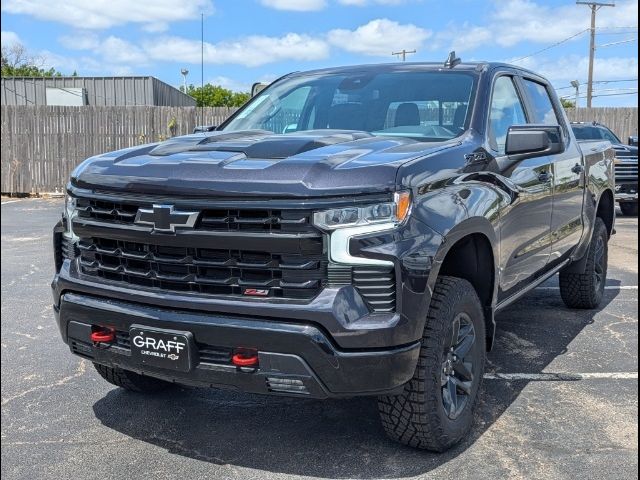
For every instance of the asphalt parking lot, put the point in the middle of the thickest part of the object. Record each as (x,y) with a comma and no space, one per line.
(560,400)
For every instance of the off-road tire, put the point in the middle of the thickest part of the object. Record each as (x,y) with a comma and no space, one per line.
(130,380)
(629,209)
(417,417)
(585,290)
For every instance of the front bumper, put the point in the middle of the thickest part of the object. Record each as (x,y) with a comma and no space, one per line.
(294,358)
(626,191)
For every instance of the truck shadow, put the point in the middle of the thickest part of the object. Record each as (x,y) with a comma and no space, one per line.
(338,438)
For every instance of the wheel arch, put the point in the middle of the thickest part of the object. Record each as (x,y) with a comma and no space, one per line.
(470,251)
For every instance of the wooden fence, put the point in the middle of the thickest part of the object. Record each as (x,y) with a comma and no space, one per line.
(41,145)
(622,120)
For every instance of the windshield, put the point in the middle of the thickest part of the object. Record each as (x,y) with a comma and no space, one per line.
(428,106)
(594,133)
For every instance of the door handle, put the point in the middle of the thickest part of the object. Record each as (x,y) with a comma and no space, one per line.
(544,177)
(577,169)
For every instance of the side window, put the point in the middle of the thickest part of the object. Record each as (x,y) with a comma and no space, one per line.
(542,107)
(506,110)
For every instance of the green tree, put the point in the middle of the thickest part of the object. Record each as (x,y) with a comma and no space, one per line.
(216,96)
(566,103)
(17,62)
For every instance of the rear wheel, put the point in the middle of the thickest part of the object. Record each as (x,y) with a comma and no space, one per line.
(629,209)
(435,411)
(585,290)
(131,380)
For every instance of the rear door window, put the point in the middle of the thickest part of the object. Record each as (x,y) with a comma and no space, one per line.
(543,111)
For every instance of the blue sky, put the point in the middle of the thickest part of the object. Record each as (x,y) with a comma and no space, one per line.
(259,40)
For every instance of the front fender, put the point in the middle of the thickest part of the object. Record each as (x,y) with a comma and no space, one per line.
(438,221)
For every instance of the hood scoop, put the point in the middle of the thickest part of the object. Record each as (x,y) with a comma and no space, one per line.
(258,144)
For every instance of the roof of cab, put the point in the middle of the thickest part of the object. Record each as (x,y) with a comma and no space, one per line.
(412,66)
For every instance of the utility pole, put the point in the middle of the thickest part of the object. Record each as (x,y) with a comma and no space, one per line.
(404,54)
(594,6)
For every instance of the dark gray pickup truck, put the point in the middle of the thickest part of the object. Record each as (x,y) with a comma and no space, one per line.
(349,231)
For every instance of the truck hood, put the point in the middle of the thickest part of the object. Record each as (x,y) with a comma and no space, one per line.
(257,163)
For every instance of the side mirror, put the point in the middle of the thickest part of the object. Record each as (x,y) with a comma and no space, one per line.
(204,128)
(633,140)
(256,88)
(534,140)
(530,141)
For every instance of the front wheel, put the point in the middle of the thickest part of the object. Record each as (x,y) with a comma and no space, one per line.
(435,411)
(585,290)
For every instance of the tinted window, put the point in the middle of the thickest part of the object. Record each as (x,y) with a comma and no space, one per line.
(543,111)
(506,110)
(608,135)
(429,106)
(587,133)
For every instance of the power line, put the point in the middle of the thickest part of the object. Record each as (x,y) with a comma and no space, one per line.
(634,27)
(594,6)
(614,94)
(628,40)
(602,81)
(549,47)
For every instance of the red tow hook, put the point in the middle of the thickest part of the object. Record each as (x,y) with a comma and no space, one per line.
(103,335)
(245,357)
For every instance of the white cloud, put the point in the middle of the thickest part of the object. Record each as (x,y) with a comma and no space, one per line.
(295,5)
(574,67)
(516,21)
(102,14)
(118,50)
(80,41)
(112,50)
(8,38)
(230,84)
(249,51)
(364,3)
(462,38)
(379,37)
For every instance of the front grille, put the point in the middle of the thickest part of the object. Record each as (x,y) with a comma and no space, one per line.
(243,252)
(626,169)
(202,270)
(377,285)
(210,219)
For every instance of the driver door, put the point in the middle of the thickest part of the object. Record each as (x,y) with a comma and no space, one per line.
(525,225)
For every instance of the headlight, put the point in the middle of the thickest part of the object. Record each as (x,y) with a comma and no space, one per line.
(70,212)
(394,212)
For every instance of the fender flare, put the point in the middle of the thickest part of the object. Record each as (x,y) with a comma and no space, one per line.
(471,226)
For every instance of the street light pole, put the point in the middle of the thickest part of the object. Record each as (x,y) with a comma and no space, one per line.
(576,84)
(184,73)
(594,6)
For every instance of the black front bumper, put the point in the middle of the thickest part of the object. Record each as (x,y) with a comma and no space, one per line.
(294,358)
(626,191)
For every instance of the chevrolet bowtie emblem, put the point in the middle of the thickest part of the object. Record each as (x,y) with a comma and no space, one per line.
(163,218)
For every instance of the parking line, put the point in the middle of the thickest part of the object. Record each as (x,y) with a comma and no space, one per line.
(10,201)
(562,376)
(608,287)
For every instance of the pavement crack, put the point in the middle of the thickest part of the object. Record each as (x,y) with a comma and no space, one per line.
(82,367)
